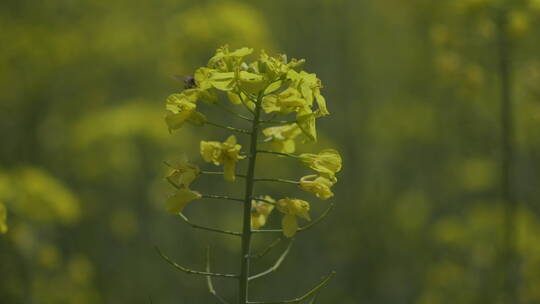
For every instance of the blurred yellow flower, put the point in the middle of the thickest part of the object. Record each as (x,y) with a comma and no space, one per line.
(183,174)
(3,219)
(318,185)
(260,211)
(226,153)
(282,137)
(180,199)
(327,162)
(80,268)
(291,208)
(49,256)
(519,23)
(534,4)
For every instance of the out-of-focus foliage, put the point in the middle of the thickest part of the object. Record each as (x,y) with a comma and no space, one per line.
(414,83)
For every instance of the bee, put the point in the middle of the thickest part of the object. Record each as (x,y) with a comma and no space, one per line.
(189,81)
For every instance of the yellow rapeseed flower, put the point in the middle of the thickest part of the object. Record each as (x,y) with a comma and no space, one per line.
(292,208)
(183,173)
(260,211)
(226,61)
(226,153)
(180,199)
(277,66)
(290,100)
(282,137)
(318,185)
(327,162)
(310,88)
(182,107)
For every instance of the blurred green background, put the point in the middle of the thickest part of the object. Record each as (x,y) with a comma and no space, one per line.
(413,88)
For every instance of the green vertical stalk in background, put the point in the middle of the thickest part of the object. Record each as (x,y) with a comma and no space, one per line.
(508,258)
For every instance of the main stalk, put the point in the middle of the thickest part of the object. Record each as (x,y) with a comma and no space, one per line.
(246,230)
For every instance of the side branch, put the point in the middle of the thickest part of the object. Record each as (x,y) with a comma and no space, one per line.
(212,196)
(185,219)
(209,279)
(270,121)
(224,197)
(278,153)
(190,271)
(311,292)
(220,173)
(275,266)
(304,228)
(226,109)
(278,180)
(263,200)
(228,128)
(267,249)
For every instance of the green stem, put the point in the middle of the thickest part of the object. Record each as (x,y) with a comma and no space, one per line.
(276,264)
(219,173)
(311,292)
(246,230)
(278,153)
(222,197)
(268,248)
(191,271)
(259,199)
(224,108)
(278,180)
(209,279)
(228,128)
(197,226)
(278,121)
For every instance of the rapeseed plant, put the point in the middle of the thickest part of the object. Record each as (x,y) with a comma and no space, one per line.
(267,88)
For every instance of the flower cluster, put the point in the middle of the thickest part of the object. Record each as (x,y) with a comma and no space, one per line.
(226,153)
(266,88)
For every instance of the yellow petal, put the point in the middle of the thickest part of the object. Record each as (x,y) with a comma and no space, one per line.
(211,151)
(183,174)
(179,111)
(229,169)
(180,199)
(260,211)
(294,206)
(306,121)
(282,137)
(327,162)
(318,185)
(234,98)
(269,104)
(231,140)
(290,225)
(222,81)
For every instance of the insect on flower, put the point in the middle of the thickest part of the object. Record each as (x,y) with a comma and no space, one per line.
(189,81)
